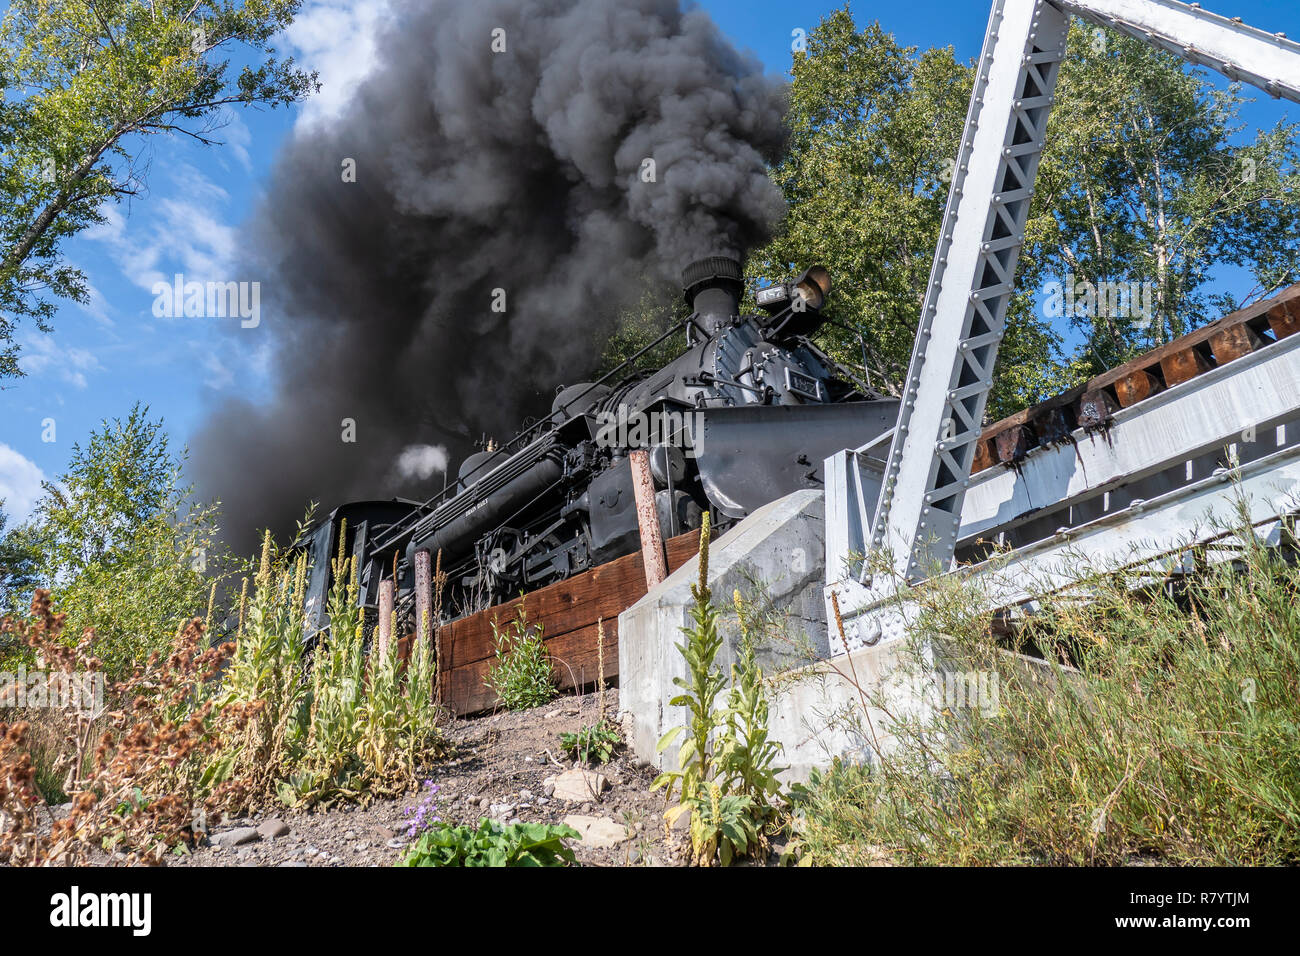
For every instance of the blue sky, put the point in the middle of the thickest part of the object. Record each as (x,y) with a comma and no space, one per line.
(112,352)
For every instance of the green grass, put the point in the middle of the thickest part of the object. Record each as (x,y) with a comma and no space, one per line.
(1162,724)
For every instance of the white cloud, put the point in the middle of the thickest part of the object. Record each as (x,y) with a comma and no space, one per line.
(183,232)
(111,229)
(42,356)
(20,484)
(96,306)
(336,38)
(219,377)
(236,135)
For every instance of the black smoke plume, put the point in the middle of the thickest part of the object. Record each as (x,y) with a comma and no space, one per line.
(521,170)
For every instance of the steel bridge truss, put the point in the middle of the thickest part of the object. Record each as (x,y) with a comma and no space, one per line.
(895,517)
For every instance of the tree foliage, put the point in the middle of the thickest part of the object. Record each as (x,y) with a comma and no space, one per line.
(873,129)
(1141,181)
(17,567)
(121,542)
(84,85)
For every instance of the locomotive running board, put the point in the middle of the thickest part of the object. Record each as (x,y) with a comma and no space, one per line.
(753,454)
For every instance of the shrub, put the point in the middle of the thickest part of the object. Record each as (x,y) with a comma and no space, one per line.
(594,743)
(492,844)
(140,785)
(213,729)
(356,728)
(523,675)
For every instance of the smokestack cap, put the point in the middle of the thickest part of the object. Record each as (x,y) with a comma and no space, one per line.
(713,272)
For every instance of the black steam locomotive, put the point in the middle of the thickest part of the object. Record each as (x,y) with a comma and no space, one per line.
(744,415)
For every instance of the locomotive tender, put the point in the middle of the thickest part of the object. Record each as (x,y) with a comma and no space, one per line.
(746,414)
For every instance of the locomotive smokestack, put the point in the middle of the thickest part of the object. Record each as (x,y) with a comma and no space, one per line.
(713,286)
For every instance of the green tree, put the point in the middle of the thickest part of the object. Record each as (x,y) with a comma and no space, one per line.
(874,130)
(83,88)
(873,127)
(122,542)
(1141,182)
(17,568)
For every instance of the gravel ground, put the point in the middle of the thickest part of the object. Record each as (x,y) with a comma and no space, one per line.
(502,766)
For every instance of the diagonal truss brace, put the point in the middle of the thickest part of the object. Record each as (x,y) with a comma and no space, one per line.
(971,282)
(1239,51)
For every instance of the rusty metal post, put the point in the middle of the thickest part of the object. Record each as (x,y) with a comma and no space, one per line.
(424,609)
(647,519)
(424,597)
(384,633)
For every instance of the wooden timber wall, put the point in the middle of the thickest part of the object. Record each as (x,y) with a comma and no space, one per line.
(568,612)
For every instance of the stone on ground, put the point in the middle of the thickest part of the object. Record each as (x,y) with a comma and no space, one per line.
(598,833)
(273,829)
(580,785)
(237,837)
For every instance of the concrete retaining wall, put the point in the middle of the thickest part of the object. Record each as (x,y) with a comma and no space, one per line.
(775,556)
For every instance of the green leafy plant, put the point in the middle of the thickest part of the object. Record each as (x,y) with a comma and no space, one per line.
(724,825)
(335,725)
(1140,723)
(724,774)
(746,754)
(523,675)
(594,743)
(330,767)
(702,685)
(492,844)
(269,666)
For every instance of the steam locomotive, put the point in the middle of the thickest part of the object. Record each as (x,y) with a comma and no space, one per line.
(745,414)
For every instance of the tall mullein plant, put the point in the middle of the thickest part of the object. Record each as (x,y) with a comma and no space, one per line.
(702,686)
(399,717)
(338,674)
(329,766)
(747,755)
(267,665)
(421,692)
(383,719)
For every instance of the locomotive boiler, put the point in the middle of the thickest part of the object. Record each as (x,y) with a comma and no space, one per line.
(745,414)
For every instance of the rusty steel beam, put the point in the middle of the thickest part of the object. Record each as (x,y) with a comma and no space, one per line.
(1092,405)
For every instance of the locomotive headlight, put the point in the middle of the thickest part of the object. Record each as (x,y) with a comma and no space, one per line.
(807,292)
(812,285)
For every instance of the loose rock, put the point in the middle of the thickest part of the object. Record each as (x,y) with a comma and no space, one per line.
(579,785)
(598,833)
(273,829)
(236,837)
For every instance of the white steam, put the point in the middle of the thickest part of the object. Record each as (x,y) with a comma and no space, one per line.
(421,461)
